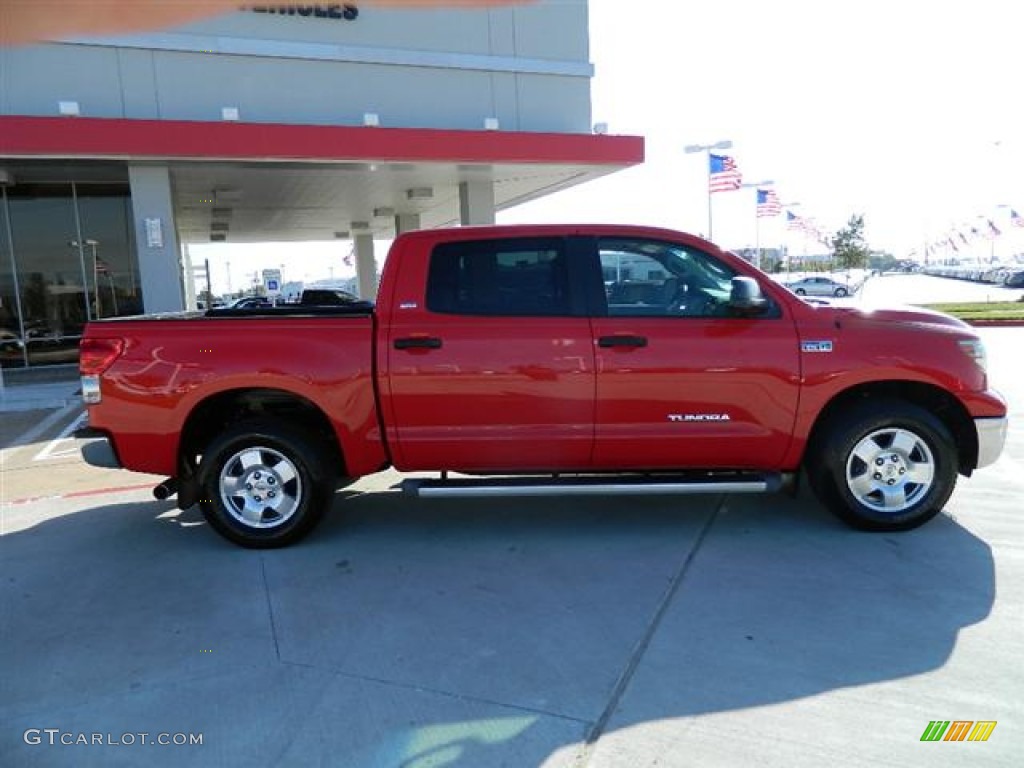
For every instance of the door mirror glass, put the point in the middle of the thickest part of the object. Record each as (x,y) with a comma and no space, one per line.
(746,298)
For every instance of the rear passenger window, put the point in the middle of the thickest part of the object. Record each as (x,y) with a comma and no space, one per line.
(500,277)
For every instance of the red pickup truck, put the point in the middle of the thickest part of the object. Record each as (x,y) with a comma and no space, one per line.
(545,360)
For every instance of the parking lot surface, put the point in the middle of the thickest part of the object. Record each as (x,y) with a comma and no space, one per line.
(713,631)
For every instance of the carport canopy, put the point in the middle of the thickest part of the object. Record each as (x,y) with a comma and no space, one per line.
(252,182)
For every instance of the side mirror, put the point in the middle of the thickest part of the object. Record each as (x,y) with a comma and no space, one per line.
(746,298)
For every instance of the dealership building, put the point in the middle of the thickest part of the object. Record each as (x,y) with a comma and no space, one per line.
(302,123)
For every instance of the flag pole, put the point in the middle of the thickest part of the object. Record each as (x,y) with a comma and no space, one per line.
(707,165)
(757,239)
(705,150)
(756,185)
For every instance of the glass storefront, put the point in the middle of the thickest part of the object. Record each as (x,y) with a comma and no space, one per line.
(67,256)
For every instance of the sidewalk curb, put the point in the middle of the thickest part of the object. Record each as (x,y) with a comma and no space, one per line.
(39,397)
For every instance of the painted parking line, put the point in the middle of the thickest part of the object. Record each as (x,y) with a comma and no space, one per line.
(77,494)
(50,450)
(30,435)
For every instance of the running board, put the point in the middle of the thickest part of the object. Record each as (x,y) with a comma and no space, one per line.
(595,485)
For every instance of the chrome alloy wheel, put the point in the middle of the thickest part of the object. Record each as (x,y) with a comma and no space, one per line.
(260,487)
(890,470)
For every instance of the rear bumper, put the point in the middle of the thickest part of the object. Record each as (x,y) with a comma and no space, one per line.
(991,439)
(97,450)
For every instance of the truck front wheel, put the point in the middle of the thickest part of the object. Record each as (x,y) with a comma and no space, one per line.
(263,485)
(884,465)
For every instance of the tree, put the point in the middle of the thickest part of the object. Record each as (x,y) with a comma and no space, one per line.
(848,246)
(883,261)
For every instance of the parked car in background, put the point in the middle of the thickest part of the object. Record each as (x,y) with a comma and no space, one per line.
(10,341)
(819,286)
(327,297)
(252,302)
(1014,278)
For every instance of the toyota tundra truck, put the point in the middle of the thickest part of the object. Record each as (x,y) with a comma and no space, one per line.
(544,360)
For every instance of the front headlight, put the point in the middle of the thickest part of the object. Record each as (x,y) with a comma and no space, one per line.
(975,350)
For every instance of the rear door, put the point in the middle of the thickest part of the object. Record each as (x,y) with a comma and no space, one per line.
(682,381)
(491,368)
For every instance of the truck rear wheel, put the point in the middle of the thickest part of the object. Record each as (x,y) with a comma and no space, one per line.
(263,485)
(884,465)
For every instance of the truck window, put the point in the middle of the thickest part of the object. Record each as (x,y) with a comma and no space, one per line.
(647,278)
(519,276)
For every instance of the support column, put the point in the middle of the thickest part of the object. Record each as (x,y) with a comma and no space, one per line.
(406,222)
(476,203)
(190,279)
(156,239)
(366,267)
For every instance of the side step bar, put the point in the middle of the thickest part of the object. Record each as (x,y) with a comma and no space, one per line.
(597,485)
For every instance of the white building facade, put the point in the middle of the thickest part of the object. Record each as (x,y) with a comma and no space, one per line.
(316,122)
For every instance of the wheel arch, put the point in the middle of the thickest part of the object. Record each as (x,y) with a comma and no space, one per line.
(941,403)
(212,415)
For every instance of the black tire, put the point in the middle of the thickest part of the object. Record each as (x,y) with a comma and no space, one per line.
(883,465)
(840,293)
(800,292)
(263,484)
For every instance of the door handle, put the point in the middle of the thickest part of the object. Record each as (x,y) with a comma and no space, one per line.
(622,341)
(418,342)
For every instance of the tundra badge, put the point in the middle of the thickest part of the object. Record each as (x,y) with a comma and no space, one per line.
(699,417)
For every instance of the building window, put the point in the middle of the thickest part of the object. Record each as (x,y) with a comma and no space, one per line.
(67,256)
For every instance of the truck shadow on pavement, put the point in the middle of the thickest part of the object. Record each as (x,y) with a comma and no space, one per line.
(462,633)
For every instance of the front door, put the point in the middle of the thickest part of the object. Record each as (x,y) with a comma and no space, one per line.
(682,381)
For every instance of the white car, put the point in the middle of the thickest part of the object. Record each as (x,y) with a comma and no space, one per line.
(819,286)
(10,341)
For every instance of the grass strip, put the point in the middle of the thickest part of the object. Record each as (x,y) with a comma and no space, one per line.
(995,310)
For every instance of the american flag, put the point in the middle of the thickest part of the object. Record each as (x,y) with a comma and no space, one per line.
(993,230)
(768,203)
(724,175)
(1016,219)
(793,221)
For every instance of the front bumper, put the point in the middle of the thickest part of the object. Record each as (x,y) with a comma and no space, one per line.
(991,439)
(97,450)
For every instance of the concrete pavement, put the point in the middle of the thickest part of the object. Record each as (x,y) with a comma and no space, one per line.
(717,630)
(38,397)
(38,389)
